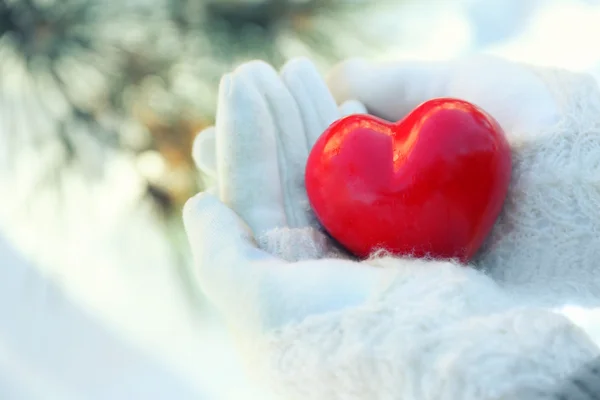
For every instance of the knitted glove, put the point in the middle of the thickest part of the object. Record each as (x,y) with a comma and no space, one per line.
(387,328)
(545,245)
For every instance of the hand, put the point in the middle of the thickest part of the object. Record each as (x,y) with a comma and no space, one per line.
(254,160)
(544,246)
(267,125)
(337,328)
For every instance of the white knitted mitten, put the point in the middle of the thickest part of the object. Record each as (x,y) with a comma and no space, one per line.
(545,246)
(386,328)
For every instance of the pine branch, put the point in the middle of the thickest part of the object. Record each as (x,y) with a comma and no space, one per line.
(56,39)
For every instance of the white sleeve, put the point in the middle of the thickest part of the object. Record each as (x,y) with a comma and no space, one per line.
(434,331)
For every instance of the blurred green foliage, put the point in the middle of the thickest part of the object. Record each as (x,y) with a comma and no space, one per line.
(141,75)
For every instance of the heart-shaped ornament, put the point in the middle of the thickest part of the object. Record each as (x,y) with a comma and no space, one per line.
(430,185)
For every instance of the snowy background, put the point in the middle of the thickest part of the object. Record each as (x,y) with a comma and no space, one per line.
(85,314)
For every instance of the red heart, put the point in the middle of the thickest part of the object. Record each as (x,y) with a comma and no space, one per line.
(431,184)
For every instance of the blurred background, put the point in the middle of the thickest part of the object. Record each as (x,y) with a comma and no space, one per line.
(100,101)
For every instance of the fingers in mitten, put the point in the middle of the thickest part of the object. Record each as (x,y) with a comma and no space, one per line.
(317,106)
(246,150)
(203,153)
(229,266)
(389,90)
(512,93)
(351,107)
(289,130)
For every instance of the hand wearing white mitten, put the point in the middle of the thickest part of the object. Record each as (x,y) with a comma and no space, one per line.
(545,245)
(338,329)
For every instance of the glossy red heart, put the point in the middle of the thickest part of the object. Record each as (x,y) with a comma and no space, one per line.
(432,184)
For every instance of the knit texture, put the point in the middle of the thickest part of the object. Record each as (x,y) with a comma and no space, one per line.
(449,335)
(460,333)
(545,245)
